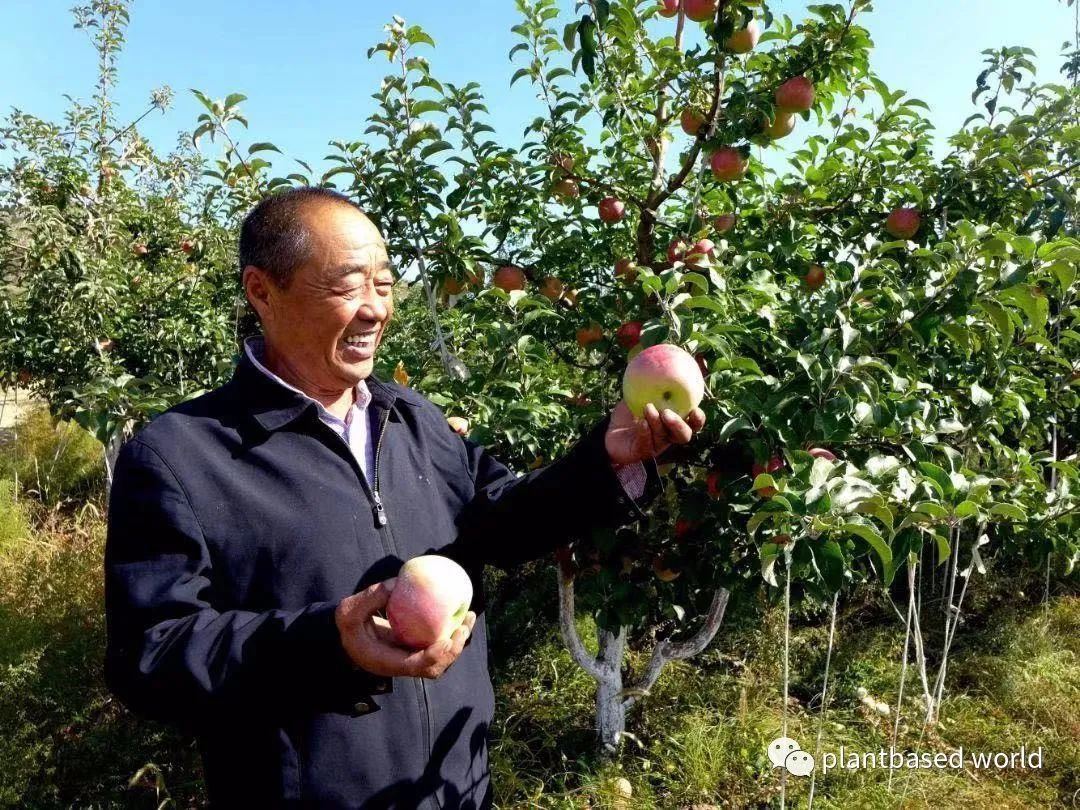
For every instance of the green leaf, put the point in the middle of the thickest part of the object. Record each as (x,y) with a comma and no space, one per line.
(262,146)
(1008,510)
(733,426)
(871,536)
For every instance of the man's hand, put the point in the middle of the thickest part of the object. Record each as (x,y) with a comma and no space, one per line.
(629,440)
(370,645)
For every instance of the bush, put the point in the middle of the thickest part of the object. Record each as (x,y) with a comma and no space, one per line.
(55,461)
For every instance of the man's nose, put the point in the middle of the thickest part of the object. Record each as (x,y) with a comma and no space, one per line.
(373,308)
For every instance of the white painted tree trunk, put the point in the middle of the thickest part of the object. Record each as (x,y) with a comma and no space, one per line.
(613,699)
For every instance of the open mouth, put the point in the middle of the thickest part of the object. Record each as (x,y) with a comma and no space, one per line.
(360,346)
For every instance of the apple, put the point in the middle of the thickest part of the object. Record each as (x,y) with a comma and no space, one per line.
(552,288)
(429,601)
(821,452)
(629,334)
(663,571)
(563,161)
(509,278)
(141,249)
(626,269)
(24,376)
(566,189)
(903,223)
(676,251)
(701,10)
(691,121)
(728,164)
(589,335)
(724,222)
(669,8)
(187,246)
(782,126)
(775,463)
(701,249)
(796,95)
(665,375)
(452,286)
(745,39)
(683,527)
(713,485)
(611,209)
(815,276)
(570,297)
(781,539)
(459,424)
(634,352)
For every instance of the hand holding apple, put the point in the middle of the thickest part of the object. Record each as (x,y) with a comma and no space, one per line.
(368,639)
(629,440)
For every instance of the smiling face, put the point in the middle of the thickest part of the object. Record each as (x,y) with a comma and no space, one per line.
(323,329)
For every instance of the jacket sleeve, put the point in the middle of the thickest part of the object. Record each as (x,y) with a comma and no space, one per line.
(173,654)
(512,519)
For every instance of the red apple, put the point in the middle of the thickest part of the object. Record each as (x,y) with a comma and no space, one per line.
(452,286)
(669,8)
(691,121)
(665,375)
(626,269)
(713,485)
(141,249)
(458,424)
(683,527)
(744,40)
(187,246)
(728,164)
(701,249)
(588,335)
(796,95)
(821,452)
(629,334)
(701,10)
(903,223)
(563,161)
(552,288)
(677,249)
(724,222)
(775,463)
(429,601)
(815,276)
(509,278)
(611,209)
(566,189)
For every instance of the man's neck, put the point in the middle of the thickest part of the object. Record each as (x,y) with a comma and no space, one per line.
(338,403)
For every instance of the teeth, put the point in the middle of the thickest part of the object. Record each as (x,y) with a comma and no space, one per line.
(355,340)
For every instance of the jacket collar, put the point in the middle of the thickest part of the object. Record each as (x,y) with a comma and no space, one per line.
(273,406)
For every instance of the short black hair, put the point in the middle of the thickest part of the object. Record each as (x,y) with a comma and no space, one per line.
(274,235)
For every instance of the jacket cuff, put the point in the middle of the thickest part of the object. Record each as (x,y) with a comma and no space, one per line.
(605,490)
(348,687)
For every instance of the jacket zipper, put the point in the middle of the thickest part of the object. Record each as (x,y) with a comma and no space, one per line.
(383,521)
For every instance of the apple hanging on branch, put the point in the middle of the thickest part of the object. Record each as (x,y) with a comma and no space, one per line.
(796,95)
(509,278)
(611,209)
(815,277)
(903,223)
(728,164)
(627,270)
(745,39)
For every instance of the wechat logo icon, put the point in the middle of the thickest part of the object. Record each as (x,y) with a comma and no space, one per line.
(785,752)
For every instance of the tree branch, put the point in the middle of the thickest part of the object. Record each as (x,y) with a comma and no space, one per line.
(597,669)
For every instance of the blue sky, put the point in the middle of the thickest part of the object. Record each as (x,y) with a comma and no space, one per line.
(304,68)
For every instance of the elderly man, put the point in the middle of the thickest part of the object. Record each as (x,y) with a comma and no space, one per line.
(254,534)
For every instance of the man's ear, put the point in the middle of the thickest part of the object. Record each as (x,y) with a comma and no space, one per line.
(257,290)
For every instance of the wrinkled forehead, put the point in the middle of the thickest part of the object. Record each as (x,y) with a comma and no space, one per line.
(345,242)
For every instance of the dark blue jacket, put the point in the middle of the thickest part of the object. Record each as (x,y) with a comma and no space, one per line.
(238,520)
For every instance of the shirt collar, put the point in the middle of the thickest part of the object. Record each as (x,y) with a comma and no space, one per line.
(275,402)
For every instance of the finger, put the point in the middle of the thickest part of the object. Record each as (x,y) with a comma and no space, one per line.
(696,419)
(678,431)
(652,419)
(360,606)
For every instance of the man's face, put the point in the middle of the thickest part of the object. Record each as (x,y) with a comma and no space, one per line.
(322,332)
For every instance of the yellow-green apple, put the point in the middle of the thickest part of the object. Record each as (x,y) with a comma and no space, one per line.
(701,10)
(589,335)
(669,8)
(781,126)
(728,164)
(903,223)
(429,601)
(626,269)
(629,334)
(552,288)
(663,570)
(745,39)
(815,276)
(691,120)
(509,278)
(796,95)
(724,222)
(611,209)
(665,375)
(775,463)
(458,424)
